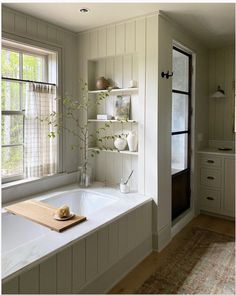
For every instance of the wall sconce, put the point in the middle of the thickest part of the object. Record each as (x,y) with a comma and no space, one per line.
(219,93)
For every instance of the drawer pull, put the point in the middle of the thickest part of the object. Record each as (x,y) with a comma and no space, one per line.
(210,198)
(210,177)
(210,161)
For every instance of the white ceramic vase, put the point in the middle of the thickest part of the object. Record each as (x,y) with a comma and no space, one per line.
(132,140)
(120,143)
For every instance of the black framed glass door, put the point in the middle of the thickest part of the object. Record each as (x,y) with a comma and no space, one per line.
(181,131)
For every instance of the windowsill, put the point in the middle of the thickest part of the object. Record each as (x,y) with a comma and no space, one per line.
(20,189)
(29,180)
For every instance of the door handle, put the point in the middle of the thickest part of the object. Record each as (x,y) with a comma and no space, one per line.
(210,198)
(210,161)
(210,177)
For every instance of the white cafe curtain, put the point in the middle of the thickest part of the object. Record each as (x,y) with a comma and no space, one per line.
(40,151)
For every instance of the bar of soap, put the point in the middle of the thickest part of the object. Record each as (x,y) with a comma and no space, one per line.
(63,211)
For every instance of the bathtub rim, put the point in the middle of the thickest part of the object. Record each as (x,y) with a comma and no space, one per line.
(145,199)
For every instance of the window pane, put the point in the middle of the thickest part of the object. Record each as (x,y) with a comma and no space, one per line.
(179,112)
(181,71)
(12,129)
(12,161)
(10,64)
(179,151)
(10,96)
(32,67)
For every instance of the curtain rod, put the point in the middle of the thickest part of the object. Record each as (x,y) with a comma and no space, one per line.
(27,81)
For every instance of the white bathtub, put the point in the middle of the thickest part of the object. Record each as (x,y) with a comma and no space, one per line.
(18,231)
(81,202)
(26,243)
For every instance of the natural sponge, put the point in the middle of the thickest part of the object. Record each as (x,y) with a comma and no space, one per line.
(63,211)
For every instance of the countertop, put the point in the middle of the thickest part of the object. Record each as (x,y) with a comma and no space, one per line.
(216,151)
(29,254)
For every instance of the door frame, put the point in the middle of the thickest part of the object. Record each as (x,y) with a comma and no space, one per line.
(189,214)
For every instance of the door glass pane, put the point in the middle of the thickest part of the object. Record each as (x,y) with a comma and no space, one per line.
(32,67)
(10,64)
(179,112)
(181,71)
(12,129)
(10,96)
(12,161)
(179,151)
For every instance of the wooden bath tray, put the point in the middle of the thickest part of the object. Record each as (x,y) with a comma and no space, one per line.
(42,213)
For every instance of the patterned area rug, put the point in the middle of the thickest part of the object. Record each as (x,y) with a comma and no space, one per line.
(204,265)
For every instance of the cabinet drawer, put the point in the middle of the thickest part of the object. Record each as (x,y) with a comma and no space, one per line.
(211,161)
(211,177)
(210,199)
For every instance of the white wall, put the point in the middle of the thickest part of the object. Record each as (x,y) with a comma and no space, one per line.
(169,31)
(221,111)
(118,47)
(20,27)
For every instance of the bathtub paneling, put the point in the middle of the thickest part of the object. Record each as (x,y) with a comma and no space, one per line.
(48,278)
(132,230)
(122,236)
(11,287)
(64,271)
(113,242)
(78,268)
(103,249)
(91,257)
(29,281)
(111,40)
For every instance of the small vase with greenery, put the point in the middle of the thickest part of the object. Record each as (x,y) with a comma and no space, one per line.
(76,111)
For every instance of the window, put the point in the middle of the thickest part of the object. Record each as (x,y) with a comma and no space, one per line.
(181,95)
(20,70)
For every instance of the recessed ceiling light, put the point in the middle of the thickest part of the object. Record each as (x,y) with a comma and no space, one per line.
(84,10)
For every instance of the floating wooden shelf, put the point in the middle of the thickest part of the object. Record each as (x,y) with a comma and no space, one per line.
(119,90)
(114,151)
(112,121)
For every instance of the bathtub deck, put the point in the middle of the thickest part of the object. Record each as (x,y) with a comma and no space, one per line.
(48,242)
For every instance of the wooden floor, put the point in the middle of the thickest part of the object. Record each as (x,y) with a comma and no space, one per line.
(130,283)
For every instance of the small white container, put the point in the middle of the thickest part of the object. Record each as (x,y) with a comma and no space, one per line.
(120,143)
(132,141)
(124,188)
(132,84)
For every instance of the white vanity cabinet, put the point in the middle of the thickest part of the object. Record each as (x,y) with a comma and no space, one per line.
(216,182)
(228,200)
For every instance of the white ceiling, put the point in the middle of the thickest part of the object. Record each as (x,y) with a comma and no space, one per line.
(212,23)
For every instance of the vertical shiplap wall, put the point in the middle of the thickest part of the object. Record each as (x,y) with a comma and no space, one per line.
(221,111)
(123,46)
(74,269)
(17,25)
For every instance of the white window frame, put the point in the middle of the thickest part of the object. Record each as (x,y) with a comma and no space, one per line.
(25,49)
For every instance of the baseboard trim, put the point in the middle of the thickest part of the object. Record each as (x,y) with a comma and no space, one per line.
(217,215)
(163,237)
(105,282)
(182,223)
